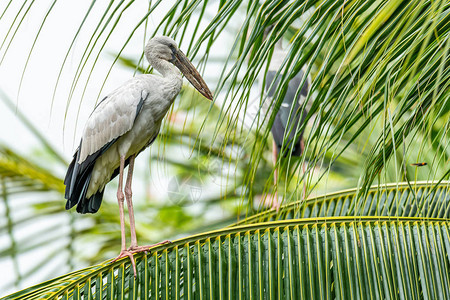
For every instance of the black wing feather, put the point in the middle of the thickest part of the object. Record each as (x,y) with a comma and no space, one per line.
(281,124)
(77,181)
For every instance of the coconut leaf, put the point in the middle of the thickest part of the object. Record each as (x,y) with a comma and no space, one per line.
(333,256)
(337,257)
(419,199)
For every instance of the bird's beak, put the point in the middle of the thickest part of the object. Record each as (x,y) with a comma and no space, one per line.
(182,62)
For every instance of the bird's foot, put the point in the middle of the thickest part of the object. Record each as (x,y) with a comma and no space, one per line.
(128,253)
(137,249)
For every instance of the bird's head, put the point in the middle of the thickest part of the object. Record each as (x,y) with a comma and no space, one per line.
(164,48)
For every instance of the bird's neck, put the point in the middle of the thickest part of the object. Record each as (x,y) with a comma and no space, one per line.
(172,79)
(166,69)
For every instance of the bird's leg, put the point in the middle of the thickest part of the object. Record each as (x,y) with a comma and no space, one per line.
(134,248)
(302,147)
(275,203)
(120,199)
(128,194)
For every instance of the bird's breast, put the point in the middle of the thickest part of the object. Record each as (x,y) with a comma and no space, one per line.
(159,103)
(148,122)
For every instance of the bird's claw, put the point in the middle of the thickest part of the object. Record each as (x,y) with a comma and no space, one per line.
(128,253)
(137,249)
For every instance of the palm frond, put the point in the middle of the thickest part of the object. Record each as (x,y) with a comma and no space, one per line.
(320,257)
(403,199)
(337,257)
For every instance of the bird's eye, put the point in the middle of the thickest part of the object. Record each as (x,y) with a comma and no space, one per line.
(172,48)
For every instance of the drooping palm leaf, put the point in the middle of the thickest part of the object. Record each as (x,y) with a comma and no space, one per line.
(355,94)
(382,63)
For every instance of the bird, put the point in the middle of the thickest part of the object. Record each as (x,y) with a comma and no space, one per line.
(285,123)
(121,126)
(290,115)
(419,164)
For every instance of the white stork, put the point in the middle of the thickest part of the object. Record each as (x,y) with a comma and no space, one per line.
(122,125)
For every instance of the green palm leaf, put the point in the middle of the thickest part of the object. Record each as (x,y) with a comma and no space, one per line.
(339,257)
(421,200)
(322,257)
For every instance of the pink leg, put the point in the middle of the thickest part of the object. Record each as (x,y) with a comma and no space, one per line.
(128,194)
(275,203)
(134,248)
(302,147)
(120,199)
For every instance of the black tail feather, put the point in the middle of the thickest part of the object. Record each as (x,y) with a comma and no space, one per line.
(78,178)
(77,182)
(67,182)
(95,201)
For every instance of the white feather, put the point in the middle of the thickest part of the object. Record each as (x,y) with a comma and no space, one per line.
(116,118)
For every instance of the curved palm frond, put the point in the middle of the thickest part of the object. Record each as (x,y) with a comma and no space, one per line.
(404,199)
(332,256)
(337,257)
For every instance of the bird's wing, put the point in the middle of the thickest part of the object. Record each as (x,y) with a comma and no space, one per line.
(290,115)
(289,99)
(112,117)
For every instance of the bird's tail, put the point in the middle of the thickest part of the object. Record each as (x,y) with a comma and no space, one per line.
(77,181)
